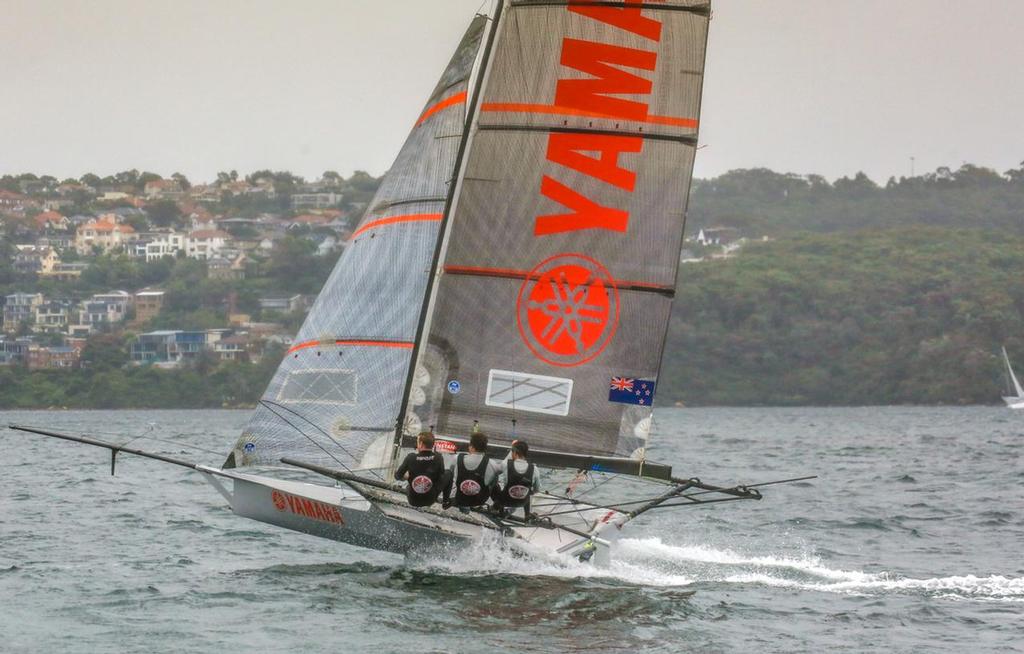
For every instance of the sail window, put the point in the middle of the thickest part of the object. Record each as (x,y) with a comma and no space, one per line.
(333,386)
(522,391)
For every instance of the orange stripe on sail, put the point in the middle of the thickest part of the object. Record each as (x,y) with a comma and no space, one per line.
(392,220)
(524,108)
(405,345)
(458,98)
(511,273)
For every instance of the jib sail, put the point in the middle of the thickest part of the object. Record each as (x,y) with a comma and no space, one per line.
(336,396)
(557,270)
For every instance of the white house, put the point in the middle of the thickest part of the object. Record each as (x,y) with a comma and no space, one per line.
(205,243)
(165,245)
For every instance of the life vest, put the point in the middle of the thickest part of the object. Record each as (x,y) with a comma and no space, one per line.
(425,473)
(471,489)
(518,485)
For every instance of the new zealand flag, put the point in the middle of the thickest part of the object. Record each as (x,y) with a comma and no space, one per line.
(631,391)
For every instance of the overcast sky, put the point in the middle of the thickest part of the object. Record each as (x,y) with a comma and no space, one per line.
(806,86)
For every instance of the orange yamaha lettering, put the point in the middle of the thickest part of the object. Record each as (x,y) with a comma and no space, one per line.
(600,60)
(626,18)
(307,508)
(567,149)
(587,214)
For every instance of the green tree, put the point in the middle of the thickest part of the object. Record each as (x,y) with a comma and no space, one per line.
(163,213)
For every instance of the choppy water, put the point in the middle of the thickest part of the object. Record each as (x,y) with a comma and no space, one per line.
(911,540)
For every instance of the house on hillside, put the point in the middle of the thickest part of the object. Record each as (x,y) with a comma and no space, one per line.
(35,259)
(172,347)
(54,357)
(113,196)
(52,316)
(163,189)
(18,309)
(51,220)
(166,244)
(238,347)
(101,311)
(227,267)
(284,304)
(717,235)
(148,304)
(309,220)
(10,201)
(306,201)
(14,351)
(57,240)
(205,243)
(105,233)
(66,272)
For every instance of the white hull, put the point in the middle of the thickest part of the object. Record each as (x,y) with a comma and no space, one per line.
(1014,402)
(389,524)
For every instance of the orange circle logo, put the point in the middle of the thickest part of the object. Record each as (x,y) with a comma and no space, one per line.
(568,309)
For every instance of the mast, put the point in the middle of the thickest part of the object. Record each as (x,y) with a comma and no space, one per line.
(467,135)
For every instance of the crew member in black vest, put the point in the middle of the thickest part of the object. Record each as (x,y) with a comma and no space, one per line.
(518,482)
(424,470)
(474,474)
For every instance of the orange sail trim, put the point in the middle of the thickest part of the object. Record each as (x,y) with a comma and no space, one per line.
(393,220)
(511,273)
(405,345)
(458,98)
(525,108)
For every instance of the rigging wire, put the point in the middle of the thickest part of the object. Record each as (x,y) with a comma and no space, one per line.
(146,435)
(268,403)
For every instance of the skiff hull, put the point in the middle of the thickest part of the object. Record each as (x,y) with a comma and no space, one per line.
(389,524)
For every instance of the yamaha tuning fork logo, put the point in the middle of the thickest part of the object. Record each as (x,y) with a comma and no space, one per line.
(568,309)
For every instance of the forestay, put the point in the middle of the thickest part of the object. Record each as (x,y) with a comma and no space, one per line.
(559,262)
(336,396)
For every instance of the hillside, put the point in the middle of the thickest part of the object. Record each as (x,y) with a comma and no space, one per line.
(914,315)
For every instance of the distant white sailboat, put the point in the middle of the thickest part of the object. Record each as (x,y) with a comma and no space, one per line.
(1014,397)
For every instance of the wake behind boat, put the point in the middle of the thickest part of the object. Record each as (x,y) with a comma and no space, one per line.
(514,274)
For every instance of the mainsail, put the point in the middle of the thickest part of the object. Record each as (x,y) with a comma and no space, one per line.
(336,396)
(558,263)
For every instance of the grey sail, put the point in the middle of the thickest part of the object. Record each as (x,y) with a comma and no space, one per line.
(558,266)
(336,396)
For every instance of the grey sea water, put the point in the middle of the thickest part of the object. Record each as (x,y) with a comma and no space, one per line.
(911,540)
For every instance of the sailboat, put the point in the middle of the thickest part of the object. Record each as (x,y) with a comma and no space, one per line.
(1014,397)
(514,274)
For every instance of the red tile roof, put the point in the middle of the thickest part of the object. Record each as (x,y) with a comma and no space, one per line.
(48,217)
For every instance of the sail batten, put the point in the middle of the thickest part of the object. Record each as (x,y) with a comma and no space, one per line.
(560,254)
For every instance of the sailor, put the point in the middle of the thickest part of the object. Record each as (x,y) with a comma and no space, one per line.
(474,474)
(424,470)
(518,481)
